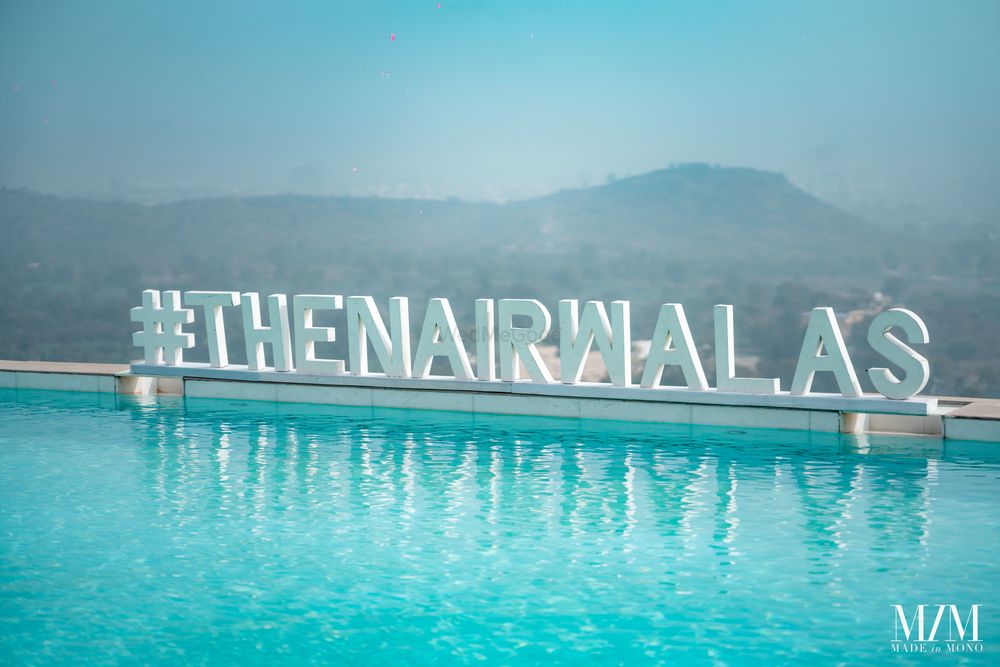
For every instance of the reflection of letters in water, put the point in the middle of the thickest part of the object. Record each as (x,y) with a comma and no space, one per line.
(651,485)
(507,333)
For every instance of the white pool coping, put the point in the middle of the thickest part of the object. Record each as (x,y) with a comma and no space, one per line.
(952,418)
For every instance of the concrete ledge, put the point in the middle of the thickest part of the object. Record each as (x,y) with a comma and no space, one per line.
(784,400)
(978,419)
(70,376)
(817,412)
(516,404)
(62,367)
(905,424)
(60,376)
(952,418)
(957,428)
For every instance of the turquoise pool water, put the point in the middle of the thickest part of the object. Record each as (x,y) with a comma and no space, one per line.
(214,532)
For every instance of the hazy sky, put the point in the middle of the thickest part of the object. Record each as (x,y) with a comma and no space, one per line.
(882,102)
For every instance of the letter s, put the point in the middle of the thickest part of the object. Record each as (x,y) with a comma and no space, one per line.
(882,341)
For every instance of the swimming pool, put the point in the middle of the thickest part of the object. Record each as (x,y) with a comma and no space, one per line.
(219,532)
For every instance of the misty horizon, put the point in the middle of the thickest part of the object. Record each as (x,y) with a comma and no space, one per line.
(149,196)
(145,193)
(887,111)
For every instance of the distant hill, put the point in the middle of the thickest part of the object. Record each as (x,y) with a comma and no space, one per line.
(701,219)
(709,219)
(699,197)
(692,233)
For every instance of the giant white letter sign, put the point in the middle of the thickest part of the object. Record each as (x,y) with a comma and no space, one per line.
(518,343)
(672,329)
(307,335)
(577,335)
(823,334)
(277,335)
(162,337)
(486,369)
(392,352)
(519,326)
(882,341)
(215,325)
(725,360)
(440,337)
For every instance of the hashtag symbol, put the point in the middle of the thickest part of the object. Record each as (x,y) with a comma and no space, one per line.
(162,339)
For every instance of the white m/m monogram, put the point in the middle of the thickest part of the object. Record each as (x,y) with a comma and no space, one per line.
(915,628)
